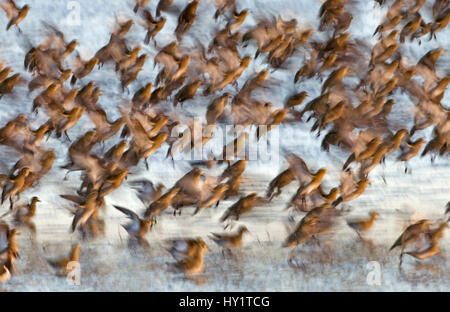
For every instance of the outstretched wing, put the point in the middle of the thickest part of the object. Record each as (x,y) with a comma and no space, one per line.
(130,214)
(299,169)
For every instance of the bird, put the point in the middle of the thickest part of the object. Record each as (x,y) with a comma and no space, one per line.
(349,188)
(243,205)
(153,26)
(163,5)
(411,149)
(194,264)
(216,195)
(140,4)
(317,221)
(83,69)
(14,13)
(362,226)
(187,92)
(334,78)
(15,186)
(66,265)
(411,234)
(162,203)
(280,181)
(24,214)
(431,248)
(186,19)
(296,99)
(234,170)
(137,228)
(5,275)
(87,207)
(216,108)
(7,85)
(184,248)
(146,190)
(229,241)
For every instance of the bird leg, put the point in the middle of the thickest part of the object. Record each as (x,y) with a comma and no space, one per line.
(67,136)
(276,194)
(291,262)
(303,205)
(359,235)
(401,261)
(316,240)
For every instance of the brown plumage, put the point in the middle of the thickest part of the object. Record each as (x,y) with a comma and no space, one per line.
(229,241)
(411,234)
(216,108)
(14,13)
(84,69)
(362,226)
(15,186)
(161,203)
(243,205)
(163,5)
(24,214)
(187,92)
(280,181)
(296,99)
(193,264)
(66,265)
(153,26)
(186,19)
(137,228)
(140,4)
(214,198)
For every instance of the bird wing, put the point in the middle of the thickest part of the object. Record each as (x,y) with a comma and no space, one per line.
(299,169)
(4,229)
(10,8)
(145,189)
(130,214)
(347,183)
(74,198)
(81,217)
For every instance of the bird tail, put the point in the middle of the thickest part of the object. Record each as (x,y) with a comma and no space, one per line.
(9,25)
(216,15)
(350,159)
(337,201)
(197,209)
(397,243)
(270,192)
(147,38)
(214,238)
(225,216)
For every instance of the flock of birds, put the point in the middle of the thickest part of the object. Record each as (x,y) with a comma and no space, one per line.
(354,115)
